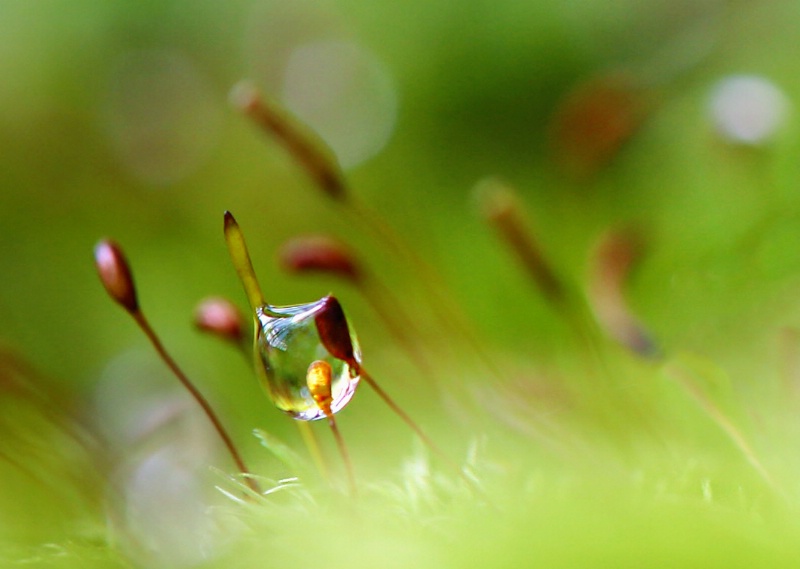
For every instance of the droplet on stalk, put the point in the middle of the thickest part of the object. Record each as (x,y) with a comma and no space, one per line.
(306,355)
(290,338)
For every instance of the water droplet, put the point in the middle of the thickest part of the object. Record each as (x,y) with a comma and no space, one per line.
(288,343)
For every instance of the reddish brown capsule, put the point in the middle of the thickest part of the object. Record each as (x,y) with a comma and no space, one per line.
(334,332)
(115,274)
(318,253)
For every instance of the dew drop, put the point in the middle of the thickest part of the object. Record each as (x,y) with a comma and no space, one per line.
(288,343)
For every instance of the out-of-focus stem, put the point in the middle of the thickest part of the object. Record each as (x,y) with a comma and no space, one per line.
(117,278)
(308,149)
(195,393)
(612,263)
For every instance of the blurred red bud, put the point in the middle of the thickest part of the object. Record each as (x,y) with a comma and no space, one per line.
(220,317)
(318,254)
(115,274)
(595,120)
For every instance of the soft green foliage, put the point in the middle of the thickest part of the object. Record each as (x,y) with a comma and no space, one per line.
(114,120)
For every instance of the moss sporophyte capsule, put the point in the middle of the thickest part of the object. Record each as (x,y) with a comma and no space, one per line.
(292,338)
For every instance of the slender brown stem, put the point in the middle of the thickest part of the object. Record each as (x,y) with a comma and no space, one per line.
(307,148)
(351,478)
(141,320)
(500,206)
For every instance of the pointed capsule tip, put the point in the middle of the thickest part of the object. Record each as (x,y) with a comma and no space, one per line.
(115,274)
(230,221)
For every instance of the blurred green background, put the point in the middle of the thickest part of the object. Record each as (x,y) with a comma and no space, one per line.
(114,121)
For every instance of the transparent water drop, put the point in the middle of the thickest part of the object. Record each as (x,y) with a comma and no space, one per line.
(289,341)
